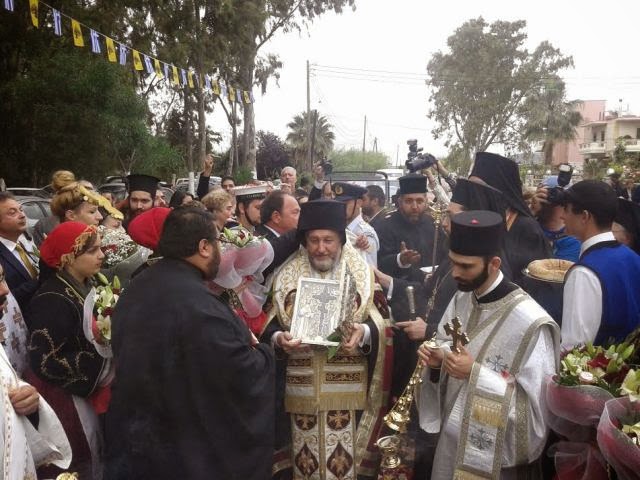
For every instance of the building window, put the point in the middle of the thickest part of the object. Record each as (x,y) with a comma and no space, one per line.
(602,136)
(638,133)
(595,137)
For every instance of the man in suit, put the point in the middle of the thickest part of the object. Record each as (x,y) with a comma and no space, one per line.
(18,254)
(279,213)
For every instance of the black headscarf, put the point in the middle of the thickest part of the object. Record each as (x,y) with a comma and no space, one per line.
(629,217)
(475,196)
(501,173)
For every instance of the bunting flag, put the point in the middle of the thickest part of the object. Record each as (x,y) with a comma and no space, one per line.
(33,8)
(176,78)
(78,41)
(95,41)
(57,22)
(123,54)
(156,64)
(147,64)
(137,63)
(111,49)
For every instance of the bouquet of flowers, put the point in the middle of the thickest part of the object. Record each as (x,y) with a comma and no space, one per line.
(619,429)
(98,307)
(122,256)
(243,258)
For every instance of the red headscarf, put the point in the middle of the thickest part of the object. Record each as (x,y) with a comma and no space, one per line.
(65,242)
(146,228)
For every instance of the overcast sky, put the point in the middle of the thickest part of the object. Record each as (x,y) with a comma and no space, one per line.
(401,36)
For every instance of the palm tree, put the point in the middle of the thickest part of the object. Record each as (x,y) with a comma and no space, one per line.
(550,118)
(322,143)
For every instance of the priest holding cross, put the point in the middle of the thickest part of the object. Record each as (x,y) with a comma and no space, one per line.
(483,391)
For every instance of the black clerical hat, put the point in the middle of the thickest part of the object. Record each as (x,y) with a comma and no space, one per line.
(412,183)
(343,192)
(501,173)
(475,196)
(476,233)
(143,183)
(322,215)
(629,217)
(593,196)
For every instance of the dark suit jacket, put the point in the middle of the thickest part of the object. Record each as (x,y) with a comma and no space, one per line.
(19,281)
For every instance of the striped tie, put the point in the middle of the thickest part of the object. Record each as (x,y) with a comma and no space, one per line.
(25,260)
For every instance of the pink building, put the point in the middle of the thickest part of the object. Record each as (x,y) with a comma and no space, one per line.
(570,152)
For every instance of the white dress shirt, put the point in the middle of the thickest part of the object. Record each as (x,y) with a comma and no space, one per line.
(582,308)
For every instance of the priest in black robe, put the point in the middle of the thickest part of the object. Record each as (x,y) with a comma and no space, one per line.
(194,391)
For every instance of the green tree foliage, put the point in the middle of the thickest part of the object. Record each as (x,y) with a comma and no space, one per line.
(322,142)
(354,159)
(550,118)
(272,155)
(479,85)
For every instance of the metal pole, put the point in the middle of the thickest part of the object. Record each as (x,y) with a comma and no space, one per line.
(309,151)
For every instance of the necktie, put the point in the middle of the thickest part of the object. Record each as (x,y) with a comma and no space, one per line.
(25,260)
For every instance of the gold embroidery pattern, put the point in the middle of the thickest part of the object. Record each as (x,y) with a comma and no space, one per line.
(299,362)
(299,380)
(333,377)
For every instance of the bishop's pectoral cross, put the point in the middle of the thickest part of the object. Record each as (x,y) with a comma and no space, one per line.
(460,338)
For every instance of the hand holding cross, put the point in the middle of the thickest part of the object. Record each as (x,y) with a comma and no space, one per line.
(460,338)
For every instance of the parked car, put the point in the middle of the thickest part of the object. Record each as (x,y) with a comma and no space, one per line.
(45,192)
(117,190)
(35,208)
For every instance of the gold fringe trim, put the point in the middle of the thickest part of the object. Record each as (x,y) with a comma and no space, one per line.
(341,401)
(487,412)
(462,475)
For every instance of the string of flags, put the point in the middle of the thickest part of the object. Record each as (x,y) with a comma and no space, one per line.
(142,62)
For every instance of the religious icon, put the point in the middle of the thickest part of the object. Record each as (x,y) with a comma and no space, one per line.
(317,311)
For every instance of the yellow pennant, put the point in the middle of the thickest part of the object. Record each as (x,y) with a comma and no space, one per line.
(137,62)
(78,41)
(215,86)
(156,64)
(176,78)
(232,94)
(190,79)
(247,98)
(111,50)
(33,7)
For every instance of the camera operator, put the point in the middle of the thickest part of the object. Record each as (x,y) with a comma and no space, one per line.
(418,162)
(321,188)
(549,211)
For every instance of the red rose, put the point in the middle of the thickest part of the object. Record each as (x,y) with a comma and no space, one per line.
(600,361)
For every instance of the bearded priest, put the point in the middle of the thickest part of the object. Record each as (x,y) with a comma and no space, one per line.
(334,403)
(487,401)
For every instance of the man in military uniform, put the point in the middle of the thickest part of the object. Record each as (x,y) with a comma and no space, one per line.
(407,234)
(248,202)
(359,233)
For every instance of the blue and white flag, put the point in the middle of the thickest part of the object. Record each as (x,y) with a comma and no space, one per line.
(166,71)
(184,76)
(8,4)
(207,82)
(223,89)
(239,96)
(95,42)
(251,97)
(123,54)
(57,22)
(147,64)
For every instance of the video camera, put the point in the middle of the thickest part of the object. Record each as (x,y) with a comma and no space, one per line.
(327,166)
(417,161)
(556,195)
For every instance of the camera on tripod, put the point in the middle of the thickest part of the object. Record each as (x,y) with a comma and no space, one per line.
(327,166)
(416,160)
(556,195)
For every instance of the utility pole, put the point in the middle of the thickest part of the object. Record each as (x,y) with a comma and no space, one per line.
(314,118)
(397,155)
(309,151)
(375,144)
(364,139)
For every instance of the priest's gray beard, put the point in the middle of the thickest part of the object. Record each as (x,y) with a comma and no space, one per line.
(325,263)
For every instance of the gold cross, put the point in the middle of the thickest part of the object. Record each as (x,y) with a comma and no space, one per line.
(460,338)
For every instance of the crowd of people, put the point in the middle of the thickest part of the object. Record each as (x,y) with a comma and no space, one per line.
(198,374)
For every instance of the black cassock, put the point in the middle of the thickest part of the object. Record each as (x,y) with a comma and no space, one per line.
(192,399)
